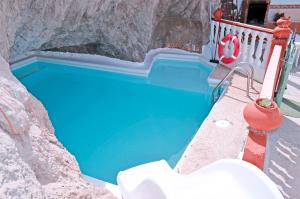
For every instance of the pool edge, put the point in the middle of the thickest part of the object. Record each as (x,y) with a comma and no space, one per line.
(110,64)
(124,67)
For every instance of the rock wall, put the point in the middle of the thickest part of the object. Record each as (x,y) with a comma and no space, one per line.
(33,163)
(126,29)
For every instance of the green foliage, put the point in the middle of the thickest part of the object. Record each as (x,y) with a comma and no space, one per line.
(278,16)
(266,103)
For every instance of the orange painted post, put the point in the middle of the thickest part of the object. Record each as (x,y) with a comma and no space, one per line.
(255,149)
(218,14)
(261,121)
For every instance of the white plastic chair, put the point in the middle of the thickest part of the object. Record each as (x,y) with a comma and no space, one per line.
(226,179)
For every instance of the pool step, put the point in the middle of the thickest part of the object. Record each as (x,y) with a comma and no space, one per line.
(218,74)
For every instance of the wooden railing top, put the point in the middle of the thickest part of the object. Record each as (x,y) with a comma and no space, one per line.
(252,27)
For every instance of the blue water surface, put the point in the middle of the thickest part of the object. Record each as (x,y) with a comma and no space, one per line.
(111,122)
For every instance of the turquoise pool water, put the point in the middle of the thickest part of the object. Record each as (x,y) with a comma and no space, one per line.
(111,121)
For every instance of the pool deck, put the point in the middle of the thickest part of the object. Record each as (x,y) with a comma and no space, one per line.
(282,163)
(283,147)
(211,142)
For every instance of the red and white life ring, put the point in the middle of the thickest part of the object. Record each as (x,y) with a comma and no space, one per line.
(236,43)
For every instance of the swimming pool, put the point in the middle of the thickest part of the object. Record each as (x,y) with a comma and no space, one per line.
(112,121)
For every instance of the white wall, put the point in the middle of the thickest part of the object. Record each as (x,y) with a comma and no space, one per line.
(285,2)
(239,4)
(293,13)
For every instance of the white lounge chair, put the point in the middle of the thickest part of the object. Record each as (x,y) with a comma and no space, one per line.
(224,179)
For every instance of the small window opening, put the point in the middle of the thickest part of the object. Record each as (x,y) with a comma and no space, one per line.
(256,13)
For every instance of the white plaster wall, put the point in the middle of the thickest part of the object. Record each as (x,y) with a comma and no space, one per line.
(285,2)
(293,13)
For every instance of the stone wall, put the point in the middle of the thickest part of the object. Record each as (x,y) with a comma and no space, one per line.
(33,163)
(125,29)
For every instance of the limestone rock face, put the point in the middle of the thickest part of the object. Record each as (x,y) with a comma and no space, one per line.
(126,29)
(33,163)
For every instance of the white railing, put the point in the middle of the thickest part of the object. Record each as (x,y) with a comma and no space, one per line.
(270,80)
(255,43)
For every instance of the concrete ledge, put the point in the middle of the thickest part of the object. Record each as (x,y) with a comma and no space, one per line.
(107,63)
(270,81)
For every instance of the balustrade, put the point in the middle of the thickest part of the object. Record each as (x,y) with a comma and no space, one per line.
(255,43)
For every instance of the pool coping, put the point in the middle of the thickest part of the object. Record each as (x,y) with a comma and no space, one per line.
(110,64)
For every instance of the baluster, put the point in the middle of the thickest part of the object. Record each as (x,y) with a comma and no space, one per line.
(221,35)
(252,46)
(213,31)
(232,31)
(217,37)
(227,30)
(240,36)
(245,45)
(267,47)
(259,49)
(222,31)
(227,49)
(217,32)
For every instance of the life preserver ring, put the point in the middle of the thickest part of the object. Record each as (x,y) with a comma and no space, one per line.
(236,43)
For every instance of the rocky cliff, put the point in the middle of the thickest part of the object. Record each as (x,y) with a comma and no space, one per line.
(125,29)
(33,163)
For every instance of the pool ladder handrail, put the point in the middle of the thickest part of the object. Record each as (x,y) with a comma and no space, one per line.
(237,67)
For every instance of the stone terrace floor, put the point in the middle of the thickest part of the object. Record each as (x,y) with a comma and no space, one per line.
(213,143)
(283,148)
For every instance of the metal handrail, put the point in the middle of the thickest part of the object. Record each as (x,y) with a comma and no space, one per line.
(229,75)
(251,69)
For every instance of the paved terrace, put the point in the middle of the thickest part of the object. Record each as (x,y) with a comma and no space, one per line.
(283,148)
(213,143)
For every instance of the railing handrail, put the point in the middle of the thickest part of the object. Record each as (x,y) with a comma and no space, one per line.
(252,27)
(251,71)
(271,77)
(249,75)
